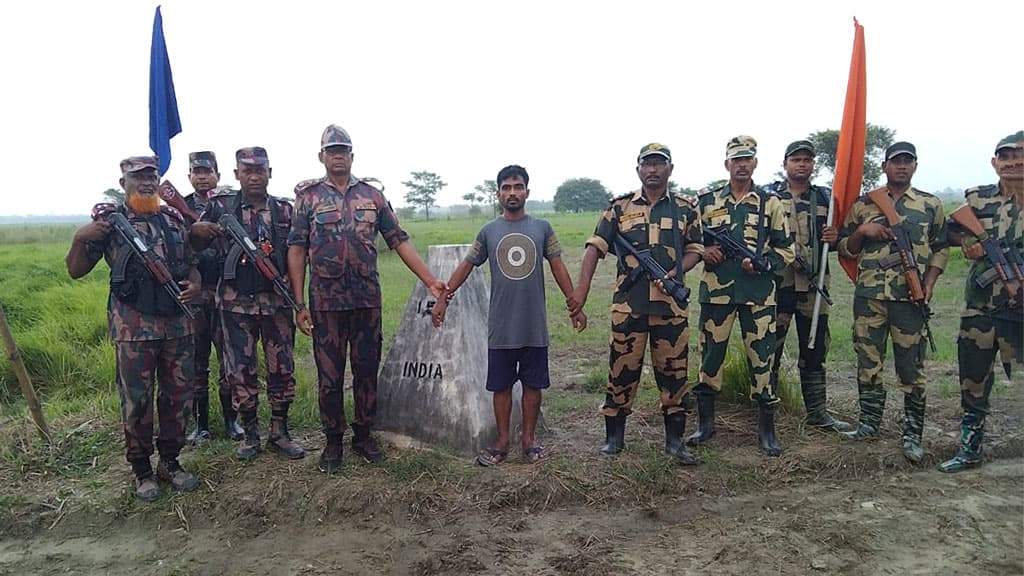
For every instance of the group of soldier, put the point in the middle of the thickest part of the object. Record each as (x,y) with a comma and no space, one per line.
(764,250)
(236,261)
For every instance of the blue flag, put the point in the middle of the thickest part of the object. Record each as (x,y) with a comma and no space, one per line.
(164,122)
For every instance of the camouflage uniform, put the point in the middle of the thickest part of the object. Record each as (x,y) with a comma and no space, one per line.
(882,305)
(727,290)
(807,215)
(640,310)
(339,229)
(154,340)
(207,322)
(989,323)
(251,310)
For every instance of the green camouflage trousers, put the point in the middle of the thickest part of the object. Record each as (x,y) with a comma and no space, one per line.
(789,303)
(757,325)
(981,336)
(873,322)
(669,337)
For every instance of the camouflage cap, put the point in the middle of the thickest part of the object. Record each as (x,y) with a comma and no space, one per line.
(655,149)
(900,148)
(335,135)
(204,159)
(1011,141)
(253,155)
(139,163)
(741,147)
(799,145)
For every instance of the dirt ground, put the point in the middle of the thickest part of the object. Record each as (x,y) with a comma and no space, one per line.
(827,506)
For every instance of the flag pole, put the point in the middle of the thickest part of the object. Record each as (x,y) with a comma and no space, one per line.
(26,383)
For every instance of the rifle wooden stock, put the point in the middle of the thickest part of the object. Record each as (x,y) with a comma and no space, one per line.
(155,265)
(880,197)
(170,195)
(966,217)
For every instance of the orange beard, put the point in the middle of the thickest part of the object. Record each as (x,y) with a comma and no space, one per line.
(144,203)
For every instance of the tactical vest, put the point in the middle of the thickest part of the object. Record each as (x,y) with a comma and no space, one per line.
(244,275)
(130,280)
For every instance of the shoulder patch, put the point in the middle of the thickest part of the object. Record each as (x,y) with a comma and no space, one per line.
(305,184)
(101,210)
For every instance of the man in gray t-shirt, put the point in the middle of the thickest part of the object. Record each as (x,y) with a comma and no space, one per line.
(517,341)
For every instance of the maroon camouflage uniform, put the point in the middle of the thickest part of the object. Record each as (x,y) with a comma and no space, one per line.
(339,230)
(150,346)
(251,310)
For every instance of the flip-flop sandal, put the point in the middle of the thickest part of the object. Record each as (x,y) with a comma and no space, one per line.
(491,457)
(534,454)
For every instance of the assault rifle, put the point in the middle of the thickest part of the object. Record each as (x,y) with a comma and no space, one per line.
(994,248)
(734,249)
(255,255)
(153,262)
(679,292)
(814,284)
(880,197)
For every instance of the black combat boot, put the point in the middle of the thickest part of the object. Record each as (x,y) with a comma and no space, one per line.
(249,447)
(231,428)
(872,405)
(675,426)
(972,432)
(201,411)
(280,440)
(766,429)
(615,434)
(706,418)
(364,444)
(812,385)
(913,426)
(331,457)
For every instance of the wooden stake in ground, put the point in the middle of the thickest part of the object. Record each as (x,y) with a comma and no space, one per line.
(19,369)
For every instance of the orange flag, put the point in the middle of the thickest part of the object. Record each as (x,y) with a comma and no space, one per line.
(852,141)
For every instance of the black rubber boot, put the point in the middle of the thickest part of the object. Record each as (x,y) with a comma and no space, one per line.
(972,432)
(231,428)
(812,386)
(365,445)
(280,440)
(201,434)
(872,405)
(615,434)
(913,426)
(766,429)
(249,447)
(675,426)
(332,455)
(706,419)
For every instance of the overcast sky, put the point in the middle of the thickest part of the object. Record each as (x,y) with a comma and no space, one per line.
(567,89)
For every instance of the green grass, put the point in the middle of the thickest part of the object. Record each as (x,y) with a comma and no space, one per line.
(60,324)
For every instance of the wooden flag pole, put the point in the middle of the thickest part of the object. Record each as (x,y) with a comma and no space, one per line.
(19,369)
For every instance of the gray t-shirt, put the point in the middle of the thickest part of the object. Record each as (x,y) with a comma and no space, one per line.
(516,250)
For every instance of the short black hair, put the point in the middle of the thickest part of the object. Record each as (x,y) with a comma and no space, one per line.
(512,171)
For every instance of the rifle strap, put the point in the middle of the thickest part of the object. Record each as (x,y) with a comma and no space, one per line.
(762,198)
(677,237)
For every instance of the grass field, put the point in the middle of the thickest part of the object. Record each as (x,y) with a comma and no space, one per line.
(60,324)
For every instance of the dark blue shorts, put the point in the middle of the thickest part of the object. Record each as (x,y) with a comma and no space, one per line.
(528,365)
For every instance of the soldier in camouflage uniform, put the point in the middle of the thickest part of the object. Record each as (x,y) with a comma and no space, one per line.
(337,220)
(251,311)
(153,337)
(993,318)
(652,219)
(882,305)
(806,207)
(731,287)
(204,176)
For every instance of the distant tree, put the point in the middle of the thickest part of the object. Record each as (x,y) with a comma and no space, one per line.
(674,188)
(878,138)
(473,198)
(423,188)
(406,212)
(489,191)
(581,195)
(113,195)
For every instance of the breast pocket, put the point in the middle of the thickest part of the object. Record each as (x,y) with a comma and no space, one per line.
(366,223)
(327,246)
